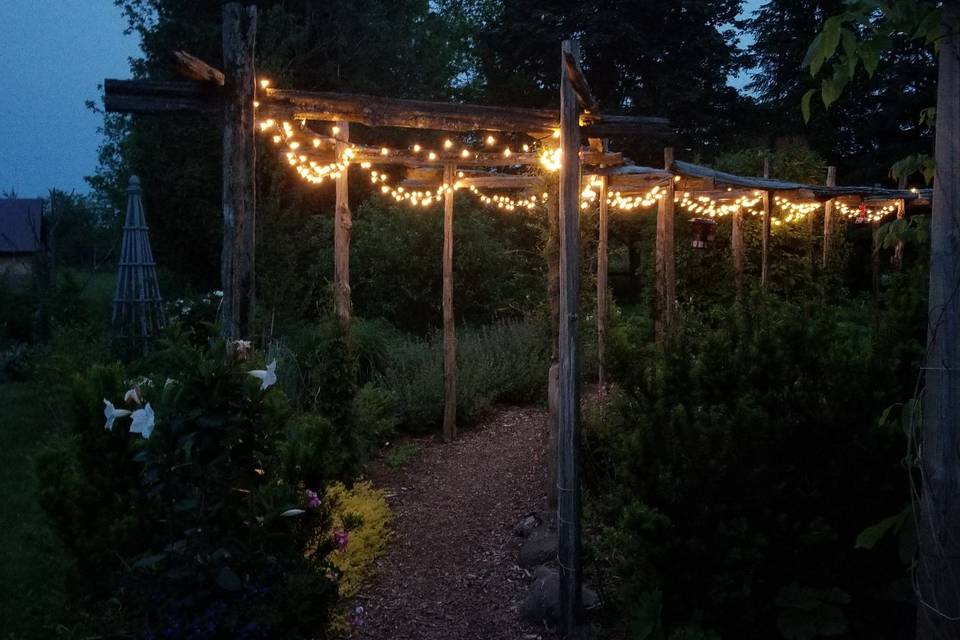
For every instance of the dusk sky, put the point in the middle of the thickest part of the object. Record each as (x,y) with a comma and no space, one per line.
(53,55)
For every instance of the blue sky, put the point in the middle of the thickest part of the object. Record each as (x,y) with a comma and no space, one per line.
(53,54)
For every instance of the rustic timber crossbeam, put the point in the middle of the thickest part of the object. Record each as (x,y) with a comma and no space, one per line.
(201,94)
(375,155)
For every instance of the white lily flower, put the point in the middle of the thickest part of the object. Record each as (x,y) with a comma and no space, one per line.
(143,421)
(267,377)
(292,512)
(111,414)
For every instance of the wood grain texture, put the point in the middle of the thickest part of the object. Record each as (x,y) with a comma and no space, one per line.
(828,219)
(343,223)
(568,441)
(237,260)
(449,330)
(665,262)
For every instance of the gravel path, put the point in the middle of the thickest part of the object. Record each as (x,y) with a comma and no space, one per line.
(450,572)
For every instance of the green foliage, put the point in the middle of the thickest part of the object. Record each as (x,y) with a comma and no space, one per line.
(190,531)
(865,28)
(503,362)
(716,470)
(401,455)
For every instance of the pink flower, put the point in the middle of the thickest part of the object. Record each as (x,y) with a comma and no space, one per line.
(341,538)
(313,500)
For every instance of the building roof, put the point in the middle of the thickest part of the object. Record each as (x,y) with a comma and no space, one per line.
(21,225)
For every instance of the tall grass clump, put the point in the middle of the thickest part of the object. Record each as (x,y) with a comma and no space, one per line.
(503,362)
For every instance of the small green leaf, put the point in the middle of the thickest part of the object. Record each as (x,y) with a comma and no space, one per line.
(805,104)
(831,89)
(812,52)
(870,54)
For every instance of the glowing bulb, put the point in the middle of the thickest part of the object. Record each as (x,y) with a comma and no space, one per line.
(256,104)
(506,152)
(384,151)
(264,83)
(465,153)
(316,142)
(432,156)
(294,145)
(556,133)
(335,129)
(490,140)
(416,148)
(447,143)
(526,148)
(276,139)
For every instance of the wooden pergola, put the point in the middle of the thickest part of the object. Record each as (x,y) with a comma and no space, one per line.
(236,93)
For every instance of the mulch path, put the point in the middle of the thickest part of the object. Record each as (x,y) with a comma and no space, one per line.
(450,572)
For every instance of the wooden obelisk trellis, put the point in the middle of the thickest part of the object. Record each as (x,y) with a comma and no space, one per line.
(138,312)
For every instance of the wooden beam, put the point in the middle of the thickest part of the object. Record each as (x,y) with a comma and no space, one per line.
(500,182)
(192,96)
(405,157)
(377,111)
(602,293)
(666,287)
(341,237)
(237,259)
(568,478)
(828,218)
(449,336)
(193,68)
(765,240)
(161,96)
(580,85)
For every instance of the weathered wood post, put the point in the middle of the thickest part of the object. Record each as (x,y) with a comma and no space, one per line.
(901,214)
(765,243)
(568,477)
(938,570)
(449,336)
(341,234)
(666,283)
(602,268)
(737,249)
(237,269)
(828,219)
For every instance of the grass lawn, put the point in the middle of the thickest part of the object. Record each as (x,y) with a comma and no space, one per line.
(32,563)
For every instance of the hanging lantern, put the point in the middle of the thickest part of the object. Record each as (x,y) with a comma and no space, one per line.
(702,232)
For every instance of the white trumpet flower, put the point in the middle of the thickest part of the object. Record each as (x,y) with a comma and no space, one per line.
(143,421)
(111,413)
(267,377)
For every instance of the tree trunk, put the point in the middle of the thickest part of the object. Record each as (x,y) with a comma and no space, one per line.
(938,569)
(239,168)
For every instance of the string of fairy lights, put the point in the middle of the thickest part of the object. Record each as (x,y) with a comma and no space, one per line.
(300,144)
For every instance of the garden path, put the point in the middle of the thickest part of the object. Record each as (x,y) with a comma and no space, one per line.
(450,572)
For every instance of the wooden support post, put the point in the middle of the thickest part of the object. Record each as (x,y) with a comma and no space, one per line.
(449,336)
(341,236)
(901,214)
(568,477)
(552,255)
(602,308)
(666,284)
(828,219)
(239,167)
(738,250)
(765,242)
